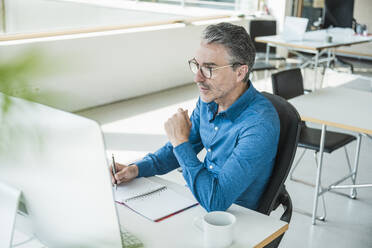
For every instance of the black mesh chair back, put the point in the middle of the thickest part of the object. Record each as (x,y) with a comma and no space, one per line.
(262,28)
(275,193)
(288,83)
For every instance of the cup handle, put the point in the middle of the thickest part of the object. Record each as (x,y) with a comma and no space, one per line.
(198,223)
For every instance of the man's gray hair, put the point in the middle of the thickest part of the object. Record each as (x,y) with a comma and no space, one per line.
(237,41)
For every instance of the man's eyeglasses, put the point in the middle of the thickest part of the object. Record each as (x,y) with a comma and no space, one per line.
(206,71)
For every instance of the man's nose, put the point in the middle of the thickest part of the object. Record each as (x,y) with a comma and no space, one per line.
(199,77)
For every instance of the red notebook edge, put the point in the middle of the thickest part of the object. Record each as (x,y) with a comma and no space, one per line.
(170,215)
(162,218)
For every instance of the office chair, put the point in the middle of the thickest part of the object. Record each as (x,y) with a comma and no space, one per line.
(338,14)
(275,193)
(261,66)
(289,84)
(263,28)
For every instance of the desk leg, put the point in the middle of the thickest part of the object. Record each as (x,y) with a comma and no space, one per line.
(316,69)
(353,192)
(318,174)
(328,57)
(267,58)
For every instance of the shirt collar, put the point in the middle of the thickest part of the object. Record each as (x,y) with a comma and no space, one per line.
(212,107)
(237,107)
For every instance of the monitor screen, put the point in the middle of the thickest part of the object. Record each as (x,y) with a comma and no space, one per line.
(58,161)
(338,13)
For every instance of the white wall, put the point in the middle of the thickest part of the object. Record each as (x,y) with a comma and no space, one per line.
(277,9)
(24,16)
(91,70)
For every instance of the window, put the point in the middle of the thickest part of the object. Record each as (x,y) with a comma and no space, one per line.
(248,6)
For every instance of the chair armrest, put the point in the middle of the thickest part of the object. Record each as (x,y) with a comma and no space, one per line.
(285,200)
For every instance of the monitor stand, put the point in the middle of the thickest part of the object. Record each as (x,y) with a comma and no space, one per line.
(9,198)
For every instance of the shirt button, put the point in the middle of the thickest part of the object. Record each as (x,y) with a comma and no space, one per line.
(209,150)
(211,167)
(216,128)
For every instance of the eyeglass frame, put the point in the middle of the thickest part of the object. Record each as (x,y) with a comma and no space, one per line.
(209,68)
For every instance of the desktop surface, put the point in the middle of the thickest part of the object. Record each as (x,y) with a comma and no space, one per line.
(340,107)
(310,43)
(60,165)
(252,229)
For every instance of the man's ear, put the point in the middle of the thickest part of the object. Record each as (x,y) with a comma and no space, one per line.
(242,71)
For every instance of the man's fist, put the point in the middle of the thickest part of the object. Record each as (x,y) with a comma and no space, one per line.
(178,127)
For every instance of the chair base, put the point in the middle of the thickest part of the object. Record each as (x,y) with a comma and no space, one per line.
(294,179)
(306,213)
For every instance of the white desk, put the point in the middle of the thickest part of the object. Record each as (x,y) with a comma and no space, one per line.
(359,83)
(343,108)
(252,228)
(315,44)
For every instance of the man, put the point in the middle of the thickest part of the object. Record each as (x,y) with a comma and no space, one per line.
(237,126)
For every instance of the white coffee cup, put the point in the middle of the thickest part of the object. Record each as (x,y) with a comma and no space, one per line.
(217,228)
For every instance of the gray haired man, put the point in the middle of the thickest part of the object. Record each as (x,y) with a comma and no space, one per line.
(238,127)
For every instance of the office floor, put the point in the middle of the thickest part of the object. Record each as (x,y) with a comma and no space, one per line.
(134,127)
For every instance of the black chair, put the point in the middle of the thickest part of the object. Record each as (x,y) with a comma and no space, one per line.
(289,84)
(262,66)
(263,28)
(275,193)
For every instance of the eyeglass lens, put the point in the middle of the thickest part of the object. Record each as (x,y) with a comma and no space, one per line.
(194,66)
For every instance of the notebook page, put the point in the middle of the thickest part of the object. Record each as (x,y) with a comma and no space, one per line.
(137,187)
(160,204)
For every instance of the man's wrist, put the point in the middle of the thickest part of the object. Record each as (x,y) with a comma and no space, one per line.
(179,142)
(135,169)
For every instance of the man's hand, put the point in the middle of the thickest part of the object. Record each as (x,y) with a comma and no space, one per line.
(178,127)
(124,173)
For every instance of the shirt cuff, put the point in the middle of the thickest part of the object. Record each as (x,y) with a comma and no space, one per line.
(186,155)
(145,168)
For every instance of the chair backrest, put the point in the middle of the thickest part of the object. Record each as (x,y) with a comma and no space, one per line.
(288,83)
(262,28)
(287,146)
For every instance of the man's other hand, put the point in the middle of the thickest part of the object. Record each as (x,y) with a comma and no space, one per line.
(178,127)
(124,173)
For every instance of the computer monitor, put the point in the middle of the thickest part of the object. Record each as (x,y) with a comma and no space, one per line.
(58,161)
(338,13)
(294,28)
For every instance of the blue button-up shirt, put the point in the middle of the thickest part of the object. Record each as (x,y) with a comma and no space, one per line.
(241,144)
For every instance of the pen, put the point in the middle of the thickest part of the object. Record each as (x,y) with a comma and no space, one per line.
(114,169)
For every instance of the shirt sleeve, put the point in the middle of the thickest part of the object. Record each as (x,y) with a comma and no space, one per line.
(164,160)
(252,156)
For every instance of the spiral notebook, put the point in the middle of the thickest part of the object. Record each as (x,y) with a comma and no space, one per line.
(152,200)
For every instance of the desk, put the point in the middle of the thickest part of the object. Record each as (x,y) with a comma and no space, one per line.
(312,43)
(343,108)
(359,83)
(252,228)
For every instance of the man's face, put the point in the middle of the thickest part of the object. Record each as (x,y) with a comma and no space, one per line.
(220,87)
